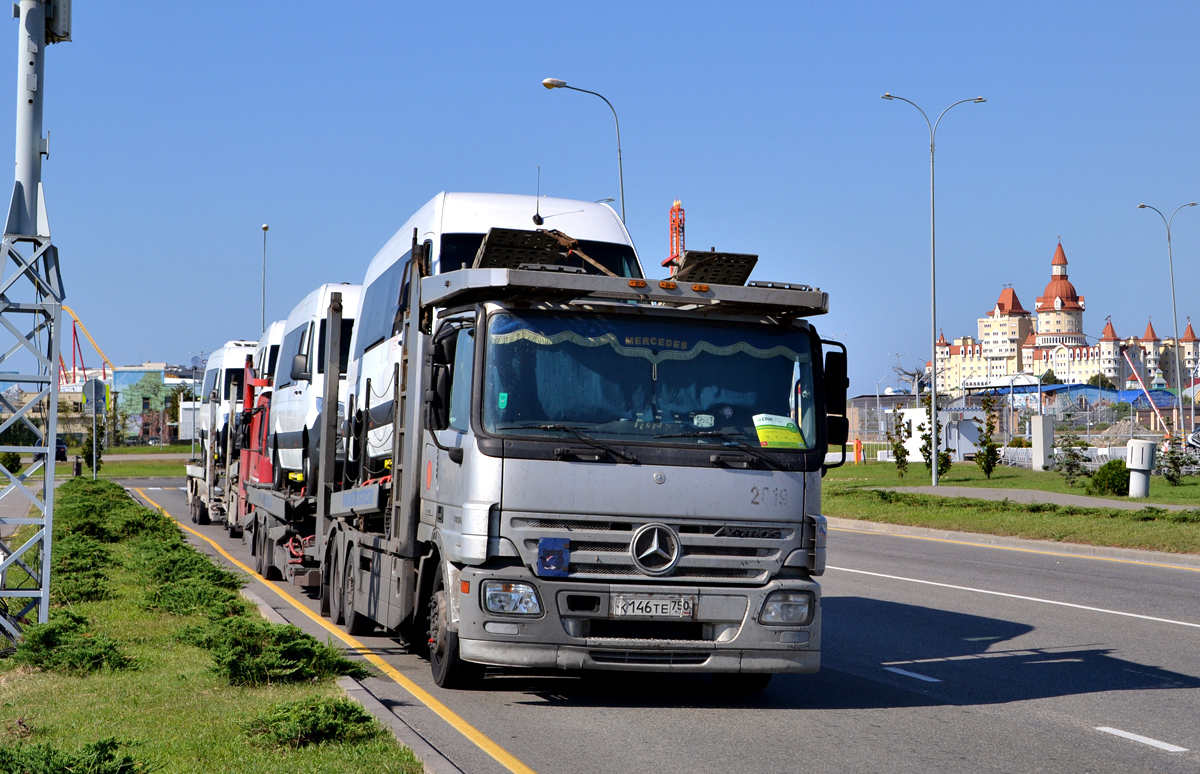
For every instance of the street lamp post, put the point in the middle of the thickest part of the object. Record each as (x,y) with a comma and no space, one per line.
(933,268)
(264,283)
(1174,314)
(555,83)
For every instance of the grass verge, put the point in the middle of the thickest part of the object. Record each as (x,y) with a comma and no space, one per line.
(118,468)
(877,474)
(169,669)
(1151,528)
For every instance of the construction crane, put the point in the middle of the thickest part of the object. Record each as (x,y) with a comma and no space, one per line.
(677,242)
(77,349)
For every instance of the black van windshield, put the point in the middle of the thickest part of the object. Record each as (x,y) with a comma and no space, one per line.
(458,252)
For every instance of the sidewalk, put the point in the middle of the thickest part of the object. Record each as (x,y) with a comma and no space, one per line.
(1034,496)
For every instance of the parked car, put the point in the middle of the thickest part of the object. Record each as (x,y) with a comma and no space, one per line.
(60,450)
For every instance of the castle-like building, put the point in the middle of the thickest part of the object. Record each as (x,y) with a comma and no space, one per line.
(1013,341)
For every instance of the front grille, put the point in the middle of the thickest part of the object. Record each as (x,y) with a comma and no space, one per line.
(681,658)
(599,547)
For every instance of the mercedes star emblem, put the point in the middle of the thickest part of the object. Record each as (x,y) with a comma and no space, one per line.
(655,549)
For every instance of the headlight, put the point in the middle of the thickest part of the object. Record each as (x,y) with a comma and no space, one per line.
(787,608)
(511,598)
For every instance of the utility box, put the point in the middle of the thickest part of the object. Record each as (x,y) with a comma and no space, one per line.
(1139,458)
(58,21)
(1041,430)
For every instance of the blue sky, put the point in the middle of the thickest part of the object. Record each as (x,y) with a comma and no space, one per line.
(177,129)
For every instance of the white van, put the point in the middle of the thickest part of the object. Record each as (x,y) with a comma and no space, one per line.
(266,356)
(299,385)
(222,381)
(453,226)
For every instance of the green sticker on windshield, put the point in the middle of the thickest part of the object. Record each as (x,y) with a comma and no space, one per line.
(777,432)
(502,401)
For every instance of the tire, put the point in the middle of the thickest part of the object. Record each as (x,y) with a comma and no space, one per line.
(202,513)
(743,683)
(259,561)
(449,671)
(195,509)
(267,551)
(308,466)
(336,588)
(356,623)
(278,477)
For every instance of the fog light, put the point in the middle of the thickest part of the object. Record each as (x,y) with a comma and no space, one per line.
(511,598)
(787,608)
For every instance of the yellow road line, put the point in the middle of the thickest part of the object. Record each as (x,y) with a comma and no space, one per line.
(1014,548)
(502,756)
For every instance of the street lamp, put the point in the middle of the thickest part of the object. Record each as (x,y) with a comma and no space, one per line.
(264,298)
(932,265)
(555,83)
(1174,314)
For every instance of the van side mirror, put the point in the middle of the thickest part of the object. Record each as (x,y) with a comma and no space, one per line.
(300,372)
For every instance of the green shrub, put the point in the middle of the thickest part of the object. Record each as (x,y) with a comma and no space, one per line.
(315,720)
(173,562)
(1018,442)
(251,651)
(193,596)
(1112,478)
(11,462)
(96,758)
(65,644)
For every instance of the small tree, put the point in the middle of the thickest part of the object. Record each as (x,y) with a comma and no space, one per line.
(987,455)
(1102,381)
(1050,378)
(1070,461)
(87,447)
(1172,462)
(896,437)
(932,420)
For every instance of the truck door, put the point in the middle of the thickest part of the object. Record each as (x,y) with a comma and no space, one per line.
(463,523)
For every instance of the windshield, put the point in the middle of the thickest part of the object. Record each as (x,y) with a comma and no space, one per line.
(631,378)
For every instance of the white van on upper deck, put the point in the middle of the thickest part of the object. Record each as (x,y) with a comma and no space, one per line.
(453,226)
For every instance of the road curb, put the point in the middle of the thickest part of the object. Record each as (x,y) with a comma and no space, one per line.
(432,761)
(1183,561)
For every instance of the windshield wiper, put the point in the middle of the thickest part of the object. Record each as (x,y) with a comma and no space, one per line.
(590,441)
(729,438)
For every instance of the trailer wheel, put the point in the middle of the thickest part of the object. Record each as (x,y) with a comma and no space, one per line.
(449,671)
(202,513)
(259,563)
(336,588)
(267,552)
(356,623)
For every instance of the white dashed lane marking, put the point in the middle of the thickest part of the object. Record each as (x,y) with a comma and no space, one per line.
(1143,739)
(914,675)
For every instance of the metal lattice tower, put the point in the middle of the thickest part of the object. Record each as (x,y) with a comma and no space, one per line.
(31,296)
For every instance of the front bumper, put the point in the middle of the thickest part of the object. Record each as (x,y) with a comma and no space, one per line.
(575,630)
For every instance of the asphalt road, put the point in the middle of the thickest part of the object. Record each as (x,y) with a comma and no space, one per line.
(937,657)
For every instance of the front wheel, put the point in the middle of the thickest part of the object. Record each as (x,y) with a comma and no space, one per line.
(449,671)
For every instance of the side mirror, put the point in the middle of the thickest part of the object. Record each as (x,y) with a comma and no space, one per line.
(300,372)
(837,383)
(837,430)
(437,398)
